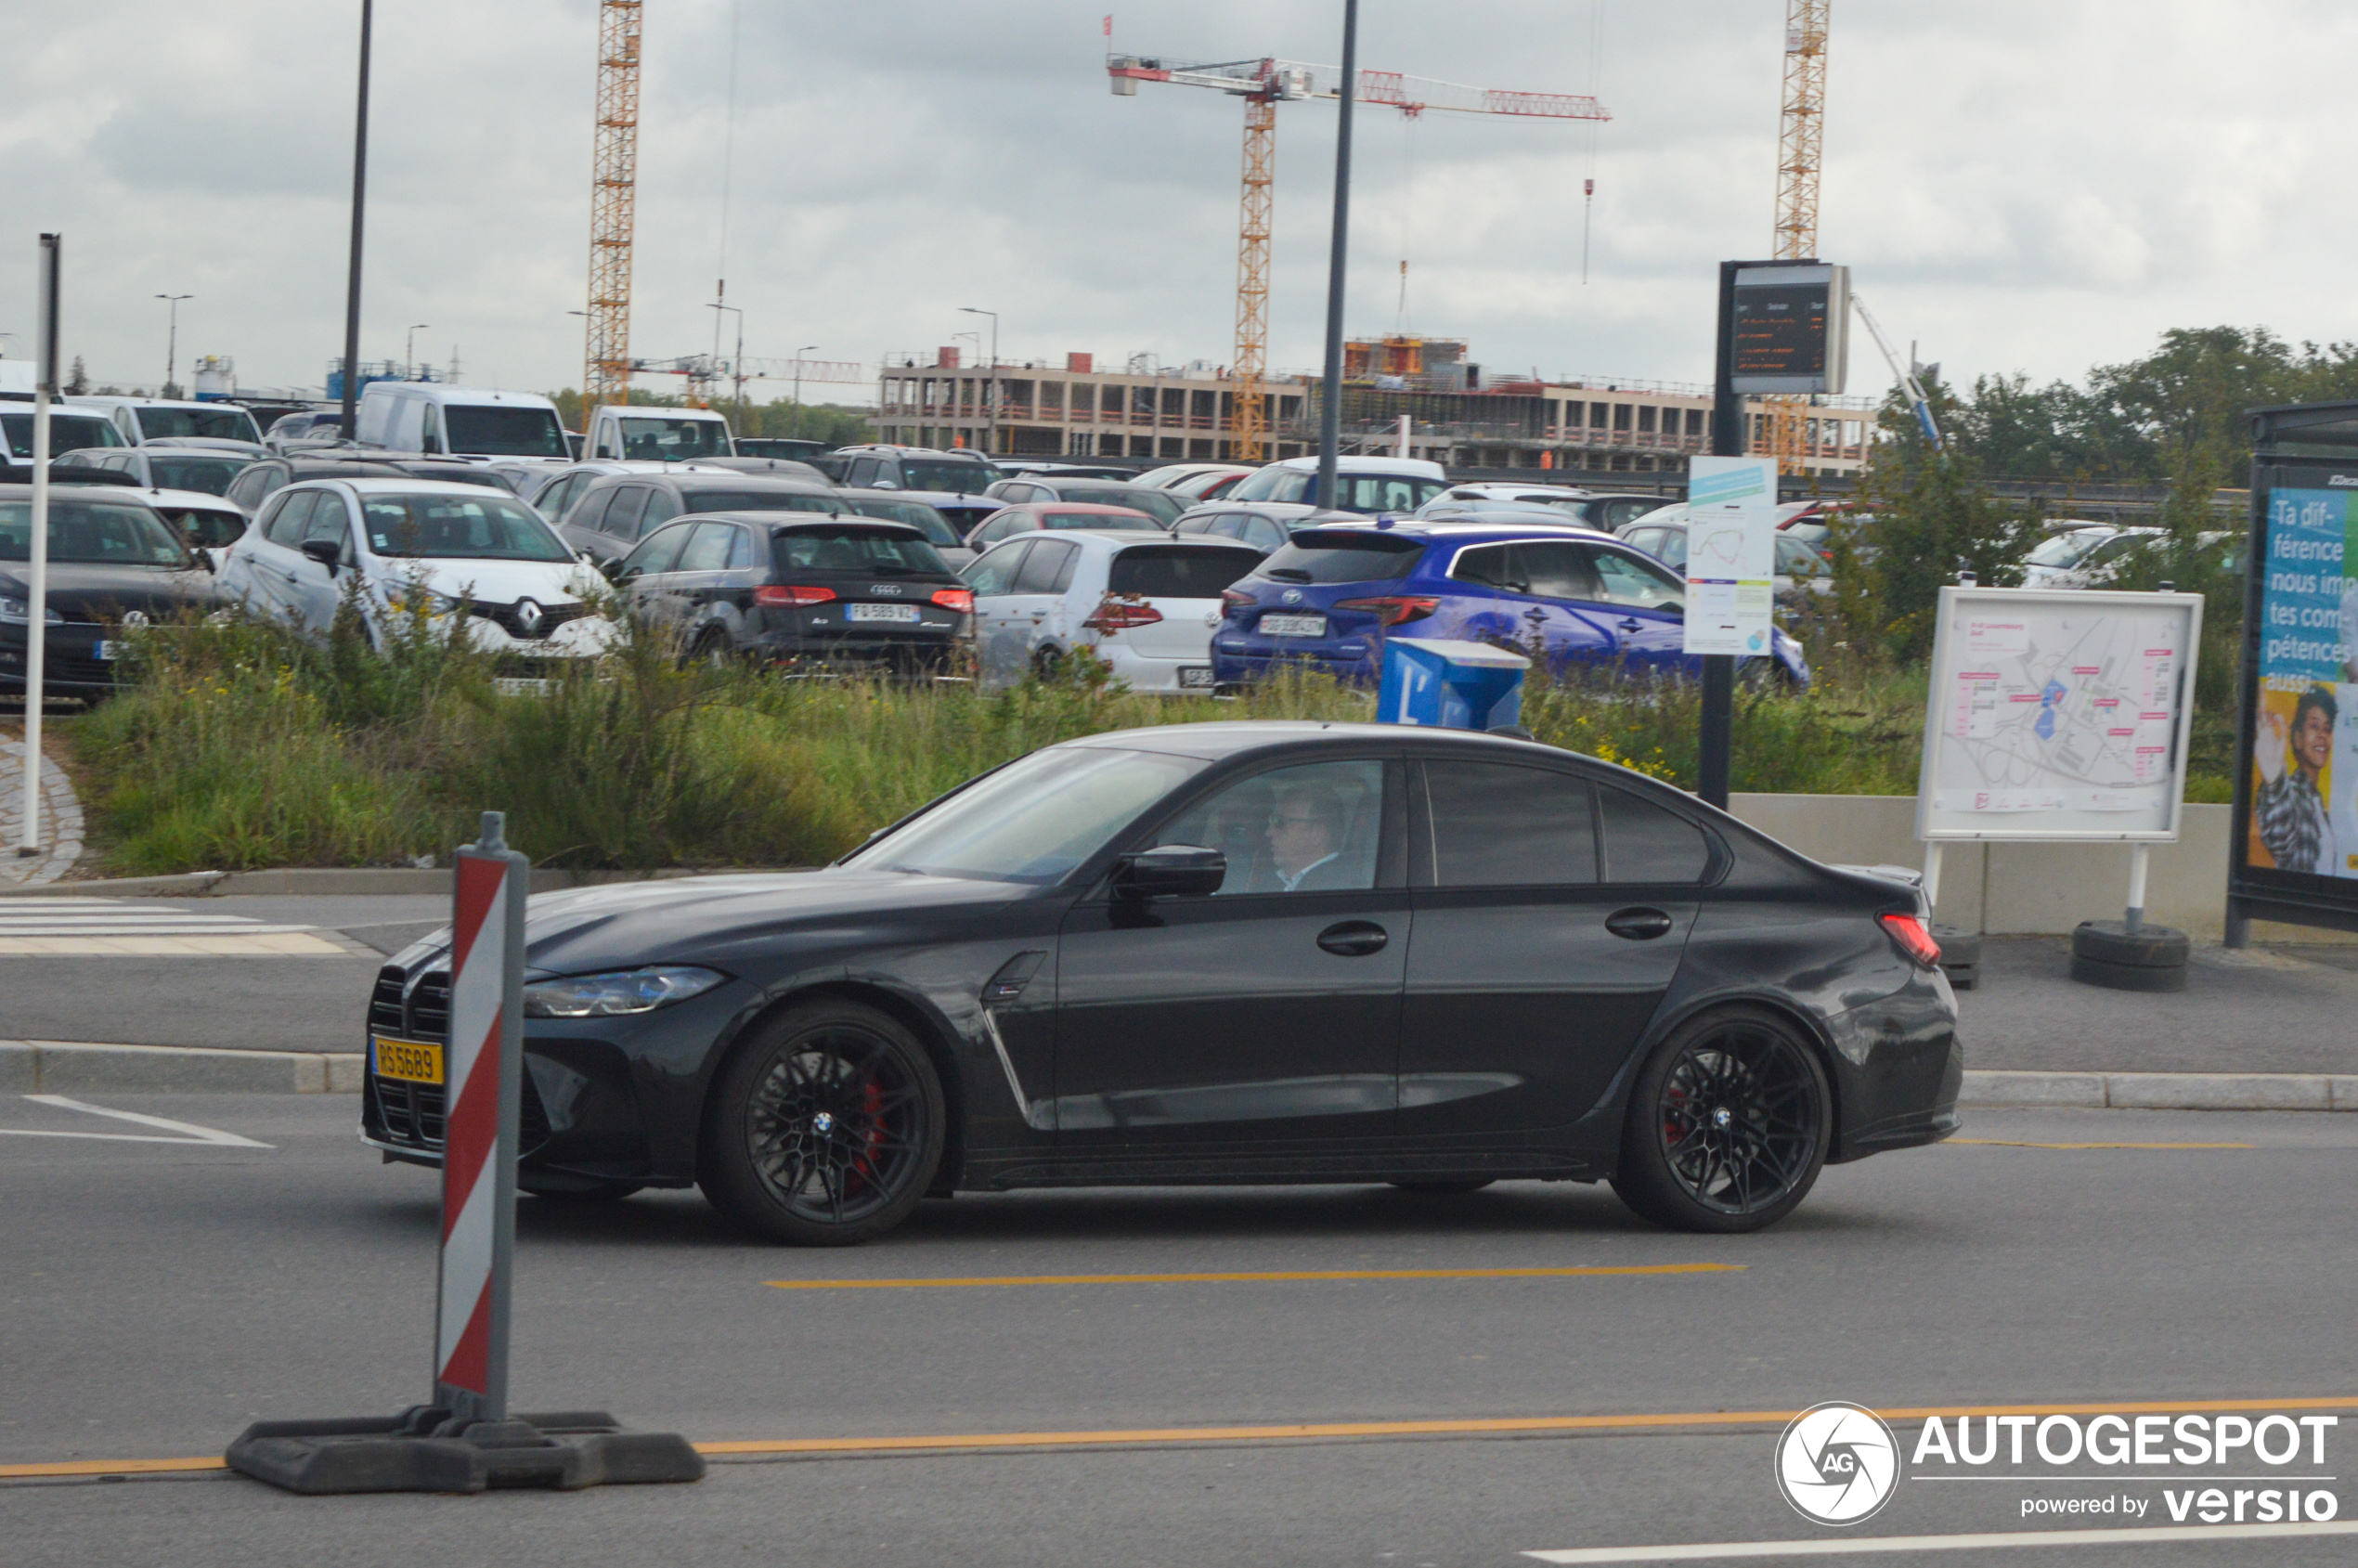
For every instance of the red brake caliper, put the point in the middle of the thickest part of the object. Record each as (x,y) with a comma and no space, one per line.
(871,1099)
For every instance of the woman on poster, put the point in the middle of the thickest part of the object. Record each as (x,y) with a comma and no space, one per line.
(2290,807)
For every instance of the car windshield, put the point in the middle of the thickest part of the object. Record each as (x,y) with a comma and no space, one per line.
(485,527)
(210,529)
(92,533)
(1160,505)
(850,548)
(958,478)
(66,432)
(2063,549)
(211,475)
(504,432)
(759,500)
(1129,522)
(1034,820)
(221,425)
(917,514)
(673,439)
(1315,557)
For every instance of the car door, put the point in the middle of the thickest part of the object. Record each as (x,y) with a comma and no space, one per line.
(697,579)
(1002,645)
(1259,1014)
(1645,603)
(315,591)
(1532,602)
(264,574)
(1551,912)
(645,575)
(583,526)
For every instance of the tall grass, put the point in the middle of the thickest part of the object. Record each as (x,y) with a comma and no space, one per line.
(243,745)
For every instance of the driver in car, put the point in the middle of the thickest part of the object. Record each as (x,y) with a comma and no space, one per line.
(1305,836)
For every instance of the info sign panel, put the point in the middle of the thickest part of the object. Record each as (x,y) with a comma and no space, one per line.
(2058,714)
(1788,330)
(1731,554)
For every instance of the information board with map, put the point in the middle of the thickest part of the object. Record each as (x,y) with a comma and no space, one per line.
(2058,715)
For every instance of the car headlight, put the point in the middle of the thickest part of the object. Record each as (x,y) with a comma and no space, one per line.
(618,993)
(403,600)
(18,613)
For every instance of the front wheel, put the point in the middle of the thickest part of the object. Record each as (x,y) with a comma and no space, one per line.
(1729,1125)
(825,1129)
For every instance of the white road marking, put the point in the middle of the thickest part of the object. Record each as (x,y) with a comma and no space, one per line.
(72,928)
(189,1132)
(1828,1545)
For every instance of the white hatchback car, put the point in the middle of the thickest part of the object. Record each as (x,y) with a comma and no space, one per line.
(468,544)
(1146,603)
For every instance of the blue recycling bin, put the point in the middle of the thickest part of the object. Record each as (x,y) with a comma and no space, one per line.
(1450,685)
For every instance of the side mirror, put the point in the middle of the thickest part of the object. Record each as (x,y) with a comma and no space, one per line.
(883,485)
(1170,870)
(327,553)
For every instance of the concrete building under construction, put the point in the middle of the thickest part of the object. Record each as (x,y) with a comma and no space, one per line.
(1461,413)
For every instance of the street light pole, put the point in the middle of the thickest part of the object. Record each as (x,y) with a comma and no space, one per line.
(410,351)
(990,389)
(359,191)
(1330,414)
(797,384)
(172,336)
(736,366)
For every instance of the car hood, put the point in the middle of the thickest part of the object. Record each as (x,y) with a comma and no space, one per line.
(502,582)
(708,919)
(95,593)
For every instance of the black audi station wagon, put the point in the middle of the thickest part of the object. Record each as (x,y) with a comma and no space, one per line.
(1224,953)
(800,588)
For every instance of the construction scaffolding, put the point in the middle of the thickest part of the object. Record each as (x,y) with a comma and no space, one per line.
(613,188)
(1800,149)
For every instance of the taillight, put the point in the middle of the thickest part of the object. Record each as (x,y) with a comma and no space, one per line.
(1114,615)
(1392,611)
(1909,931)
(776,595)
(1233,600)
(959,599)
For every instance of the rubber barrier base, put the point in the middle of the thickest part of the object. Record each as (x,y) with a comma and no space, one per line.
(424,1450)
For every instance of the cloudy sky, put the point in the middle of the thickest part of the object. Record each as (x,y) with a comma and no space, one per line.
(2017,184)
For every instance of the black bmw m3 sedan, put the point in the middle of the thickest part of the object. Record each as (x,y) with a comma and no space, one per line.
(1224,953)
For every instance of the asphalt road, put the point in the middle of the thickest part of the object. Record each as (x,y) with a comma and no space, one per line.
(157,1296)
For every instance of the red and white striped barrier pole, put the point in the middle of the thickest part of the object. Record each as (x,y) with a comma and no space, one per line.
(483,1078)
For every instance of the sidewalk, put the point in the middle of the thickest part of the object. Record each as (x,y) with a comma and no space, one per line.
(60,821)
(2282,1009)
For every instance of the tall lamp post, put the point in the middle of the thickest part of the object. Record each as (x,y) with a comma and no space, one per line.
(797,384)
(1330,414)
(171,337)
(991,390)
(736,366)
(410,351)
(360,191)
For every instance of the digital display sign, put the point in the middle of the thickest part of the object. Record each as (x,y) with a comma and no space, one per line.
(1786,332)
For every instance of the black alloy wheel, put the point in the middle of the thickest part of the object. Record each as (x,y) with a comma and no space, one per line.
(1729,1125)
(715,651)
(825,1128)
(1047,664)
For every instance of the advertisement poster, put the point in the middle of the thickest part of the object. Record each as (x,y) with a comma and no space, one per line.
(1731,554)
(2304,761)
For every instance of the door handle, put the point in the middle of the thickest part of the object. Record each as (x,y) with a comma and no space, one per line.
(1638,925)
(1630,623)
(1354,939)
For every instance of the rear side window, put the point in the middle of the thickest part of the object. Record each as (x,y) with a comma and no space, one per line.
(1316,557)
(591,510)
(707,548)
(1049,567)
(1498,825)
(1165,572)
(659,552)
(1645,843)
(851,548)
(995,574)
(624,511)
(1633,581)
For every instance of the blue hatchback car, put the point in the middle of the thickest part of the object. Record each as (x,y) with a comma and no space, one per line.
(1326,599)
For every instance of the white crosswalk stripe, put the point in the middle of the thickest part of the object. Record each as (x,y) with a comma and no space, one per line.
(74,928)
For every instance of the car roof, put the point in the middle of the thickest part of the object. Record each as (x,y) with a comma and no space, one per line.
(787,522)
(406,486)
(1090,509)
(1118,539)
(1239,737)
(1413,467)
(1447,530)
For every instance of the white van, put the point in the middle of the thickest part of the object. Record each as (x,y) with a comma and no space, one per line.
(142,419)
(466,422)
(625,432)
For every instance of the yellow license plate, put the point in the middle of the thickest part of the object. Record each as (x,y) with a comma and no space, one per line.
(408,1060)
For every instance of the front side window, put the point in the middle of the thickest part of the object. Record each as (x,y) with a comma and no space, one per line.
(1035,820)
(1050,562)
(1307,829)
(287,525)
(658,552)
(1635,583)
(625,512)
(92,533)
(493,431)
(995,574)
(1493,825)
(470,528)
(707,548)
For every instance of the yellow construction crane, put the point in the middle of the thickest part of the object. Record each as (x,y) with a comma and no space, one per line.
(1800,147)
(613,189)
(1263,83)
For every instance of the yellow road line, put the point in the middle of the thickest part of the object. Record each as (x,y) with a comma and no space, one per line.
(2015,1143)
(1294,1275)
(1701,1420)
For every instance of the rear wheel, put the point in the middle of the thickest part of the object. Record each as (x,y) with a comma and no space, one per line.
(1729,1125)
(1048,664)
(825,1129)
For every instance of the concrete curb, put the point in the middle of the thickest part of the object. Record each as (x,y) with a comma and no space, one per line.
(345,881)
(2163,1090)
(53,1067)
